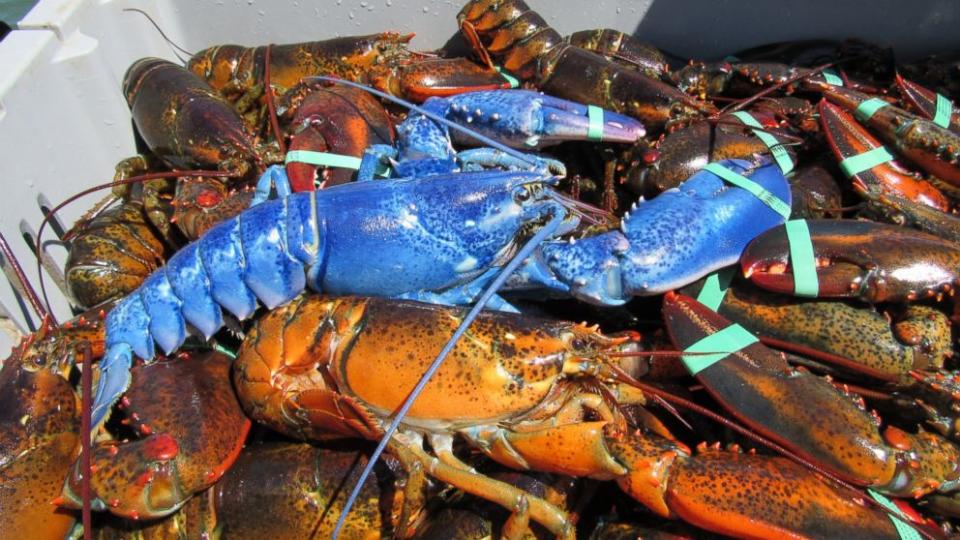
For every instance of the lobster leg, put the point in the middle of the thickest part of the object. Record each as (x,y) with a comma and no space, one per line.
(464,478)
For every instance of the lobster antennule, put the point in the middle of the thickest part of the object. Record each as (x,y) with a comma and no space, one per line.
(552,226)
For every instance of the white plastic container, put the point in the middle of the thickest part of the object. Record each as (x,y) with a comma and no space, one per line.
(64,123)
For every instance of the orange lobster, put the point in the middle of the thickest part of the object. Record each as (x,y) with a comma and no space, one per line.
(529,393)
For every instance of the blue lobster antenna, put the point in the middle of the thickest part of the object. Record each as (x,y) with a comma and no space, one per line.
(549,229)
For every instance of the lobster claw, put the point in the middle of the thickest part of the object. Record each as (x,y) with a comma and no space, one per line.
(527,119)
(867,260)
(847,139)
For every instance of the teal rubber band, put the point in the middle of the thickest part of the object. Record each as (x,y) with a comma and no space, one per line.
(754,188)
(905,531)
(323,158)
(730,58)
(595,128)
(832,77)
(802,261)
(721,344)
(715,288)
(868,108)
(514,82)
(221,349)
(944,112)
(865,161)
(780,153)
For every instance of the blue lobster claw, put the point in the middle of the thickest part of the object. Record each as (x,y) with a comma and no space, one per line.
(665,243)
(527,119)
(516,118)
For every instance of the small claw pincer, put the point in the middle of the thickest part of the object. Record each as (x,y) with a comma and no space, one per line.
(866,260)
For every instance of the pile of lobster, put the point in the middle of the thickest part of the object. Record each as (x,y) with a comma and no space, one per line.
(324,266)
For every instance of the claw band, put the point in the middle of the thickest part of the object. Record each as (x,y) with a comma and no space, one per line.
(867,109)
(754,188)
(905,531)
(802,261)
(944,111)
(865,161)
(719,344)
(323,158)
(336,161)
(715,287)
(780,153)
(832,77)
(595,128)
(514,83)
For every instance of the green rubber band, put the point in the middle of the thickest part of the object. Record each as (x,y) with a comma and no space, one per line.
(514,82)
(865,161)
(944,112)
(715,288)
(730,58)
(323,158)
(832,77)
(595,128)
(720,343)
(868,108)
(221,349)
(802,261)
(754,188)
(780,153)
(905,531)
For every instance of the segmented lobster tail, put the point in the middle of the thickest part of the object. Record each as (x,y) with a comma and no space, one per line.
(258,255)
(517,35)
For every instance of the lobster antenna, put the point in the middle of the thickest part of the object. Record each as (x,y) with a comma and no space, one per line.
(164,36)
(133,180)
(736,106)
(552,225)
(25,288)
(436,118)
(271,107)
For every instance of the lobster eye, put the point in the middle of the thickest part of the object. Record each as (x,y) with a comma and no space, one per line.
(522,195)
(578,343)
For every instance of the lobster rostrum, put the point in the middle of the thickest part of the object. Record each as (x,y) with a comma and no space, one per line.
(517,389)
(509,31)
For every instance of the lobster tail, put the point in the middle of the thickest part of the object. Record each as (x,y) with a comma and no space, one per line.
(259,255)
(516,34)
